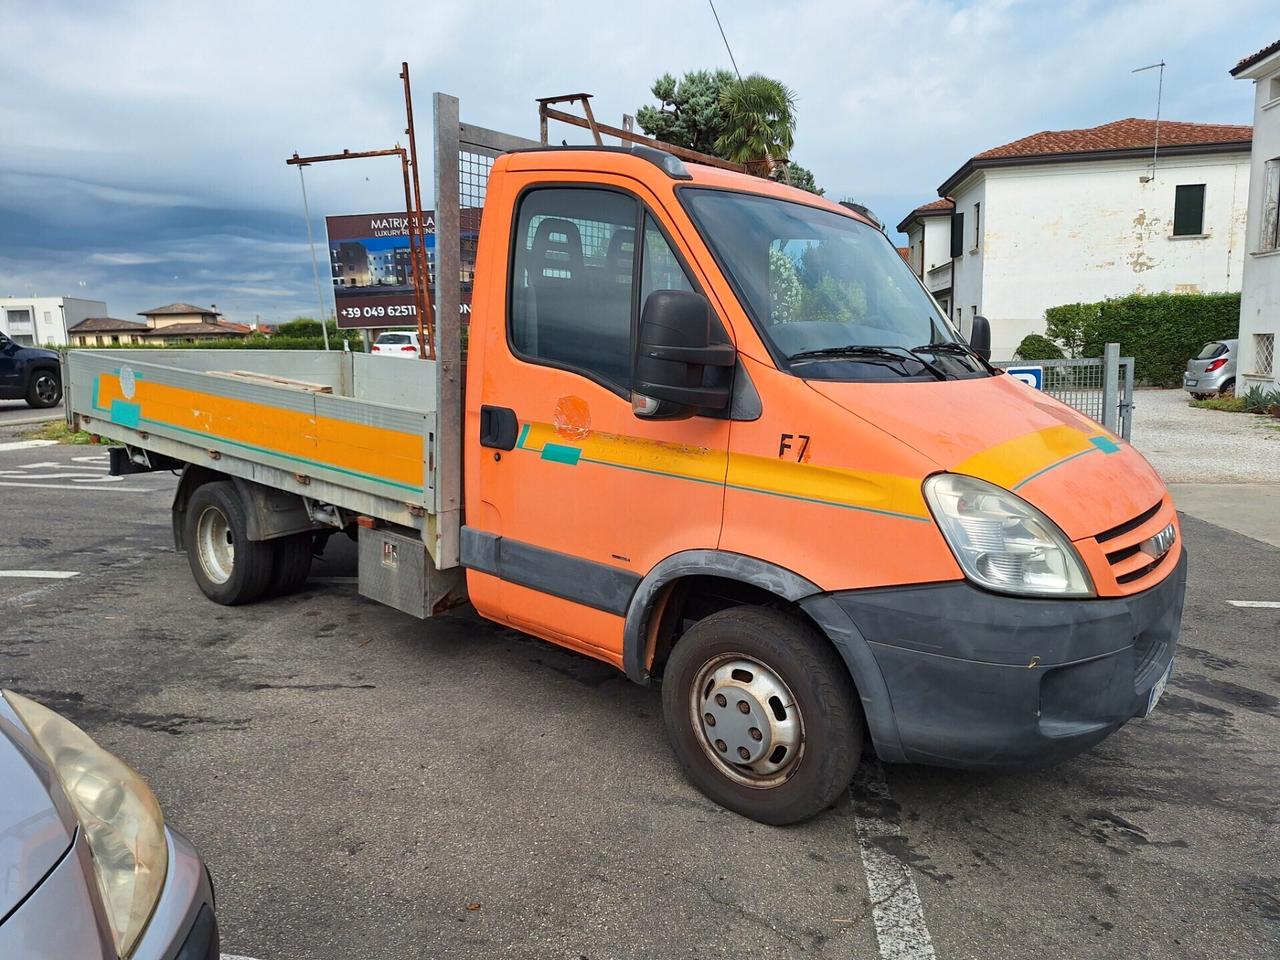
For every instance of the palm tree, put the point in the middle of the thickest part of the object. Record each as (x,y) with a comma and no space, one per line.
(760,122)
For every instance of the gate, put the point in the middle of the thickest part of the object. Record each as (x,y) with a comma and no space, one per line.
(1099,387)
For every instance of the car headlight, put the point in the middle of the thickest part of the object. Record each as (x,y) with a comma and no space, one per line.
(120,817)
(1002,542)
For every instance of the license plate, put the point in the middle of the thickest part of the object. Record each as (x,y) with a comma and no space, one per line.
(1189,382)
(1154,697)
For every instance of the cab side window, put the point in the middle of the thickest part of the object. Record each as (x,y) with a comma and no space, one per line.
(572,283)
(659,267)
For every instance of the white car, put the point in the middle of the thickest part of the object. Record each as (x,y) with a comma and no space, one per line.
(397,343)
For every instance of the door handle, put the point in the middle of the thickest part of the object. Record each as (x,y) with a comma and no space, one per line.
(498,427)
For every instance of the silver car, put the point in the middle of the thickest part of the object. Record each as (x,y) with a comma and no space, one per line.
(88,870)
(1213,372)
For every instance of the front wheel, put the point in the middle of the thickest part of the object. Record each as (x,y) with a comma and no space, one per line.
(762,714)
(45,390)
(228,567)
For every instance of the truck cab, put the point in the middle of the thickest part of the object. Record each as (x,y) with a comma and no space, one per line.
(717,433)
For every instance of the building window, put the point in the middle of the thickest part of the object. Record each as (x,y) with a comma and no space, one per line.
(1264,354)
(1274,89)
(977,225)
(1267,237)
(1188,210)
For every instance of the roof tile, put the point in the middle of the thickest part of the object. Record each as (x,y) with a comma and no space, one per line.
(1127,134)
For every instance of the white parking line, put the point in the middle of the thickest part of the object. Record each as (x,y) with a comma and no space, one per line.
(86,484)
(235,956)
(26,445)
(1264,604)
(39,574)
(895,902)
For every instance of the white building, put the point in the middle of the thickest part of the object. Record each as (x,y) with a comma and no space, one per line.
(928,230)
(33,321)
(1260,296)
(1074,216)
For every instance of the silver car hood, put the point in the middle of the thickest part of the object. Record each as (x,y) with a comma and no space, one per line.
(36,828)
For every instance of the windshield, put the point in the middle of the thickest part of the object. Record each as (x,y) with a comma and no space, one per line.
(1212,350)
(823,288)
(394,338)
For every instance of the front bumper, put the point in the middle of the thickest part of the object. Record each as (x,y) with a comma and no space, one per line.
(963,677)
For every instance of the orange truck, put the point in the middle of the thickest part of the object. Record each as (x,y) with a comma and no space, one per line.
(717,434)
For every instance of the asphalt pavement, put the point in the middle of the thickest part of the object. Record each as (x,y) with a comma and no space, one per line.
(16,413)
(364,785)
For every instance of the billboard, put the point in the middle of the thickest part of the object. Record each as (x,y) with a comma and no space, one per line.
(372,268)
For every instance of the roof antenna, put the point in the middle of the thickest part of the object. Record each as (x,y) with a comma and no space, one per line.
(1155,151)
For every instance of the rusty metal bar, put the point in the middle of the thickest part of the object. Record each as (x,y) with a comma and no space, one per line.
(345,155)
(546,112)
(417,228)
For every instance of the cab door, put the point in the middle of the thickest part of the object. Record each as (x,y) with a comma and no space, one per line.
(571,497)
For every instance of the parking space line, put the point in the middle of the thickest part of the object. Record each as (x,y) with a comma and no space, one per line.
(236,956)
(39,574)
(1263,604)
(896,910)
(26,445)
(87,484)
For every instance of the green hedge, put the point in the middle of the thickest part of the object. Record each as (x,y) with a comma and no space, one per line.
(1037,347)
(1161,331)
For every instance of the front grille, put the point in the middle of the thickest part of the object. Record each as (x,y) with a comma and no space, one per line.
(1129,565)
(1123,528)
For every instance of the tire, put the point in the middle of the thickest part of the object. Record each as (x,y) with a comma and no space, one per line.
(1200,396)
(45,389)
(229,568)
(291,564)
(1228,389)
(747,652)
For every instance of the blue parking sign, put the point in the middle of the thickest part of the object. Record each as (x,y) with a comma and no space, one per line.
(1031,376)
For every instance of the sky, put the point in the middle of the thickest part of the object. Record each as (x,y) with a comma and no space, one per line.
(142,145)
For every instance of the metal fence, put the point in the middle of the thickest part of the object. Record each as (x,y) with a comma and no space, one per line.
(1099,387)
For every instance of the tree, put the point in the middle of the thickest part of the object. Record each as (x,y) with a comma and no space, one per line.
(749,121)
(759,121)
(798,176)
(690,114)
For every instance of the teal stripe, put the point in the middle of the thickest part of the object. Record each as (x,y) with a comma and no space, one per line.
(832,503)
(1054,466)
(125,413)
(560,453)
(282,456)
(524,434)
(1105,444)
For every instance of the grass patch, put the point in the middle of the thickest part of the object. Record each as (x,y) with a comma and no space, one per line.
(1226,404)
(59,431)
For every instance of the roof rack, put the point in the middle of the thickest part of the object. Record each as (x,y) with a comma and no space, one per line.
(588,122)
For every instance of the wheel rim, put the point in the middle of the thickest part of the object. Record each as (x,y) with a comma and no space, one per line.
(215,544)
(46,388)
(749,722)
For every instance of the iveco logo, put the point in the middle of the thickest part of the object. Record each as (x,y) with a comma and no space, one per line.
(1158,545)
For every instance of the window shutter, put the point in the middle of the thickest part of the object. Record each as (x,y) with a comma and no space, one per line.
(957,234)
(1188,210)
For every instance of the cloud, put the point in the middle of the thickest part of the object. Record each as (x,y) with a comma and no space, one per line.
(143,143)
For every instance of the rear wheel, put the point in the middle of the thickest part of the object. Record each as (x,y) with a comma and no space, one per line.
(291,564)
(228,567)
(762,714)
(1200,396)
(1228,389)
(45,389)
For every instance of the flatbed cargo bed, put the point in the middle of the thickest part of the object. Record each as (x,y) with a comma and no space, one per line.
(352,430)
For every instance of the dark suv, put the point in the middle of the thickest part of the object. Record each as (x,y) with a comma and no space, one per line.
(29,373)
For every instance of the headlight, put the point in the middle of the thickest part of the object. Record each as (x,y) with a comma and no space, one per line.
(121,820)
(1002,542)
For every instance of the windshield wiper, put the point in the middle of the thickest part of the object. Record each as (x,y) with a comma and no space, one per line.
(955,348)
(869,351)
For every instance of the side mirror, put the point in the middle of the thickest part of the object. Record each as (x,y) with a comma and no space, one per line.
(980,337)
(673,350)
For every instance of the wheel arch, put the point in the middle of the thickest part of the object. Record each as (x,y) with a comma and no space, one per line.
(648,624)
(269,513)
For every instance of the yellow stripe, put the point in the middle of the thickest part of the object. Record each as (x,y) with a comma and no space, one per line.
(354,447)
(1008,464)
(862,490)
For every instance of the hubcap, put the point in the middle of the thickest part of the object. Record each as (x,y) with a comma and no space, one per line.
(215,544)
(46,388)
(750,724)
